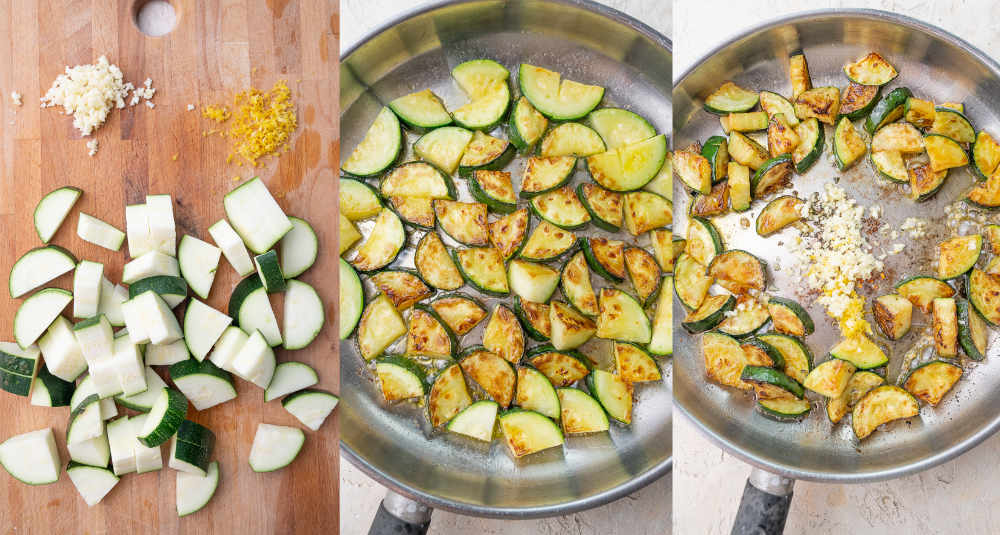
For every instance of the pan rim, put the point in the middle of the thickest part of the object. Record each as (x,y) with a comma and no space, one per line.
(609,495)
(785,469)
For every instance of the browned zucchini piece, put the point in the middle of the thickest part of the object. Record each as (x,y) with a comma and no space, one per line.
(459,311)
(882,405)
(893,315)
(724,360)
(427,335)
(713,204)
(493,374)
(778,214)
(738,271)
(643,273)
(931,381)
(507,234)
(781,136)
(449,395)
(944,325)
(465,222)
(503,335)
(402,287)
(435,265)
(822,103)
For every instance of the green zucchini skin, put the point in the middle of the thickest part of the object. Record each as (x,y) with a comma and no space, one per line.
(764,374)
(966,330)
(776,358)
(529,328)
(595,218)
(712,319)
(887,107)
(757,185)
(797,310)
(713,151)
(815,152)
(241,291)
(494,204)
(595,264)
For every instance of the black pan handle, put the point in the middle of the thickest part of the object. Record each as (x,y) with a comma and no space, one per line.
(399,515)
(764,507)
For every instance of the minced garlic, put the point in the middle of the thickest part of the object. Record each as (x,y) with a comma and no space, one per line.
(15,97)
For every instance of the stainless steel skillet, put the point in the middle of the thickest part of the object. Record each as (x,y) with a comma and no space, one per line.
(934,64)
(586,41)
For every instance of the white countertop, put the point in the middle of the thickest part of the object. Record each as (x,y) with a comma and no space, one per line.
(646,512)
(957,497)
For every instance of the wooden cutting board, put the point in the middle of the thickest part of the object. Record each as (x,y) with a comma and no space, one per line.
(216,49)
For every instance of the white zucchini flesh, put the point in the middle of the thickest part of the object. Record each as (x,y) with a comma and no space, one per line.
(255,361)
(298,248)
(256,216)
(127,362)
(256,314)
(108,408)
(275,447)
(104,375)
(135,321)
(162,230)
(91,482)
(95,451)
(204,390)
(87,288)
(93,230)
(32,458)
(146,459)
(137,233)
(194,491)
(61,351)
(87,424)
(110,303)
(153,319)
(229,344)
(290,377)
(121,438)
(144,401)
(37,313)
(311,407)
(51,211)
(95,338)
(198,261)
(148,265)
(84,389)
(303,315)
(232,247)
(203,325)
(167,354)
(38,266)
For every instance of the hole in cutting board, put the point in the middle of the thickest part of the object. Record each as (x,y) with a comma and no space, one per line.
(154,17)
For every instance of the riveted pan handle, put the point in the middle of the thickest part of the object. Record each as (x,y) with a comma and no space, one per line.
(399,515)
(764,507)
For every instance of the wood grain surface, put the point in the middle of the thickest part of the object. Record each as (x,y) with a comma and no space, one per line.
(216,49)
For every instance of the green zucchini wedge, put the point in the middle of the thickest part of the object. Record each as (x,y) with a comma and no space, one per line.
(739,271)
(555,97)
(576,286)
(861,352)
(493,374)
(872,69)
(760,353)
(919,113)
(747,317)
(381,325)
(568,328)
(619,127)
(622,318)
(662,341)
(744,122)
(848,145)
(769,383)
(421,111)
(746,151)
(605,257)
(508,233)
(921,291)
(400,378)
(527,432)
(924,181)
(985,155)
(465,222)
(889,109)
(713,204)
(691,281)
(898,137)
(382,245)
(694,170)
(724,360)
(882,405)
(812,139)
(403,287)
(781,136)
(944,152)
(784,409)
(774,104)
(459,311)
(643,274)
(703,240)
(604,207)
(542,175)
(562,368)
(379,149)
(633,364)
(536,393)
(858,100)
(984,294)
(487,109)
(716,151)
(772,175)
(893,314)
(789,317)
(428,336)
(858,385)
(956,256)
(415,211)
(738,186)
(547,242)
(645,211)
(779,213)
(830,378)
(526,125)
(944,326)
(435,265)
(503,334)
(711,312)
(890,165)
(449,395)
(798,73)
(663,183)
(534,318)
(973,333)
(485,153)
(730,98)
(798,360)
(821,103)
(532,281)
(562,208)
(931,381)
(953,125)
(483,268)
(494,189)
(581,413)
(571,139)
(613,393)
(358,200)
(417,179)
(443,147)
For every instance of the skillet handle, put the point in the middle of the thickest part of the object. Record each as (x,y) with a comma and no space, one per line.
(764,507)
(399,515)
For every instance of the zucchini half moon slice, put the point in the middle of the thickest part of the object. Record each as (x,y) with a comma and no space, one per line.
(858,100)
(691,281)
(643,273)
(770,383)
(694,170)
(421,111)
(730,98)
(984,294)
(443,147)
(526,125)
(378,149)
(576,286)
(428,336)
(882,405)
(494,189)
(581,413)
(622,318)
(748,316)
(830,378)
(798,360)
(400,378)
(925,182)
(987,194)
(483,267)
(606,257)
(528,432)
(503,334)
(859,384)
(921,291)
(542,175)
(724,360)
(569,328)
(778,214)
(872,69)
(633,364)
(417,179)
(547,242)
(534,318)
(604,207)
(812,139)
(789,317)
(465,222)
(459,311)
(382,245)
(861,352)
(931,381)
(403,287)
(822,103)
(703,240)
(613,393)
(619,127)
(380,326)
(848,145)
(890,165)
(646,211)
(893,315)
(630,167)
(435,264)
(944,152)
(486,153)
(555,97)
(952,124)
(773,174)
(956,256)
(449,395)
(571,139)
(536,393)
(562,368)
(507,233)
(711,313)
(562,208)
(493,374)
(985,155)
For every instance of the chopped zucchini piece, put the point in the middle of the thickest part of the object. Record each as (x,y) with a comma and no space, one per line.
(449,396)
(985,155)
(724,360)
(738,183)
(571,139)
(569,328)
(772,175)
(919,113)
(381,325)
(888,110)
(893,315)
(483,268)
(576,286)
(738,271)
(703,240)
(634,365)
(493,374)
(711,313)
(542,175)
(781,136)
(812,140)
(796,356)
(859,384)
(922,290)
(645,211)
(830,378)
(729,98)
(924,181)
(622,318)
(749,316)
(713,204)
(745,151)
(931,381)
(858,100)
(898,137)
(848,145)
(403,287)
(459,311)
(861,352)
(694,170)
(882,405)
(443,147)
(872,69)
(428,336)
(944,325)
(465,222)
(789,317)
(775,104)
(944,152)
(822,103)
(562,368)
(691,282)
(798,71)
(555,97)
(952,124)
(604,207)
(421,111)
(643,273)
(435,264)
(532,281)
(779,213)
(507,233)
(562,208)
(526,125)
(547,242)
(973,333)
(503,335)
(956,256)
(890,165)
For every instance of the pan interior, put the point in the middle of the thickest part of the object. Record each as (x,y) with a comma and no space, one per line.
(394,444)
(934,66)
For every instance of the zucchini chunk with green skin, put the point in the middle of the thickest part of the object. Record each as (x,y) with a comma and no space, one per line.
(724,360)
(931,381)
(381,325)
(694,170)
(417,179)
(275,447)
(953,125)
(703,241)
(630,167)
(858,100)
(784,409)
(789,317)
(479,76)
(569,329)
(443,147)
(622,318)
(562,368)
(503,335)
(773,104)
(527,432)
(738,183)
(269,271)
(821,103)
(645,211)
(713,204)
(778,214)
(400,378)
(562,208)
(711,312)
(986,195)
(924,181)
(416,211)
(619,127)
(485,153)
(633,364)
(576,286)
(532,281)
(613,393)
(310,406)
(52,209)
(744,122)
(547,242)
(944,325)
(526,125)
(985,155)
(427,335)
(957,106)
(643,273)
(747,151)
(465,222)
(898,137)
(173,290)
(748,316)
(358,200)
(861,352)
(193,491)
(18,368)
(555,97)
(476,421)
(507,233)
(662,341)
(536,393)
(352,299)
(203,383)
(483,268)
(760,353)
(944,153)
(663,249)
(191,448)
(772,175)
(571,139)
(494,189)
(890,165)
(729,98)
(449,396)
(486,110)
(798,72)
(606,257)
(957,256)
(691,282)
(581,413)
(383,243)
(781,136)
(872,69)
(534,318)
(164,418)
(921,291)
(769,383)
(973,333)
(716,151)
(893,314)
(984,294)
(796,356)
(830,378)
(888,110)
(812,140)
(848,145)
(51,391)
(604,207)
(38,312)
(379,149)
(493,374)
(435,264)
(421,111)
(459,311)
(403,287)
(857,386)
(882,405)
(542,175)
(349,235)
(919,113)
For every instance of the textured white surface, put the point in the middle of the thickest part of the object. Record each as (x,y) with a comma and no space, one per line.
(957,497)
(646,512)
